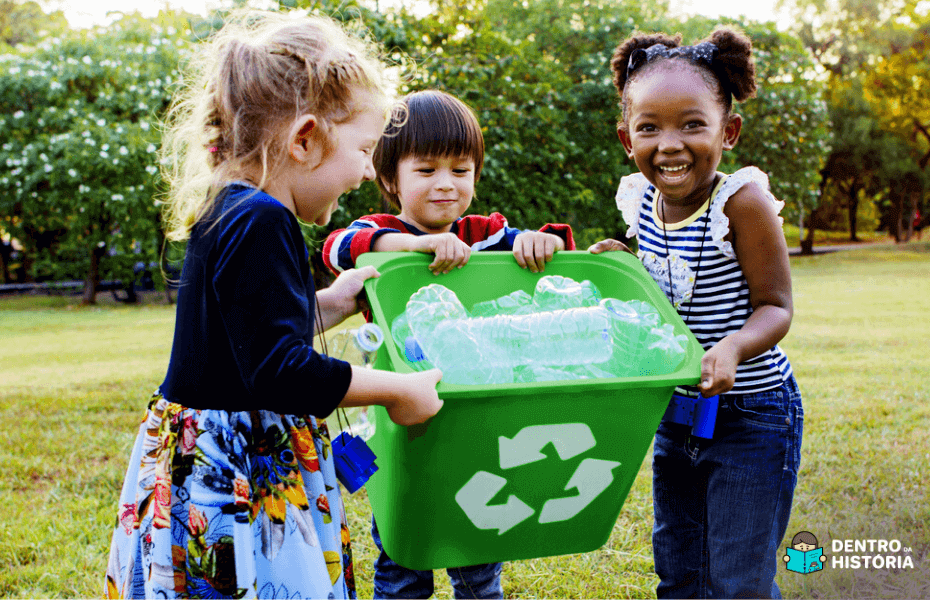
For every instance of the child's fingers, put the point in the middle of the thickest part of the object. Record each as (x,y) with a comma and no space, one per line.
(715,377)
(551,246)
(450,253)
(518,252)
(707,376)
(368,272)
(538,256)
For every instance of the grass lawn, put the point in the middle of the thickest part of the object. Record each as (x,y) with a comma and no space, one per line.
(74,383)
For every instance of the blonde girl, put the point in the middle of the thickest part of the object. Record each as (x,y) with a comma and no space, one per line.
(231,490)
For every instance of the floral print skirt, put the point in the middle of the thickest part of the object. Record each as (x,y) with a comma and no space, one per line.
(220,504)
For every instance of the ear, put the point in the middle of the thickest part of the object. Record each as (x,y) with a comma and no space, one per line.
(389,186)
(731,131)
(299,144)
(623,132)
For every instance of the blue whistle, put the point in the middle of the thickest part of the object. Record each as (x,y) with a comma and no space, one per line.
(700,413)
(354,460)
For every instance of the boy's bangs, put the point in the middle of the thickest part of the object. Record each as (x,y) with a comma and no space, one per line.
(436,126)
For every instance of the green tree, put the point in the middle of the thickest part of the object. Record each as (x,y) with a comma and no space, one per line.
(25,23)
(537,75)
(80,136)
(875,55)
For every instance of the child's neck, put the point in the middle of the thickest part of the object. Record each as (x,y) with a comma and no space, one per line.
(676,211)
(430,228)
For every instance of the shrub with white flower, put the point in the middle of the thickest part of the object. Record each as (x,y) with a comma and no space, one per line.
(80,151)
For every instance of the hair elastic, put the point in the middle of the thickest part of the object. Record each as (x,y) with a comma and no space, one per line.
(704,52)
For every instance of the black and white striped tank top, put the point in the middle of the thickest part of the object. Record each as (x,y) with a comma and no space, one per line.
(706,285)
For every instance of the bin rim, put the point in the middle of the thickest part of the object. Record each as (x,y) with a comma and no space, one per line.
(688,373)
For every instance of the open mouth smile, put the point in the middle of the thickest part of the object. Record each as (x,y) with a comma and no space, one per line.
(674,173)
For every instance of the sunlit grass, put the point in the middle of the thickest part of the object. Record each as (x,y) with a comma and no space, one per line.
(74,383)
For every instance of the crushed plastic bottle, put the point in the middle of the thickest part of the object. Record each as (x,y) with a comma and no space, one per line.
(572,336)
(630,324)
(514,303)
(565,330)
(665,350)
(554,292)
(430,306)
(407,343)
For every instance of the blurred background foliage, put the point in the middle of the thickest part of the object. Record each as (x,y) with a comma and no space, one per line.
(840,123)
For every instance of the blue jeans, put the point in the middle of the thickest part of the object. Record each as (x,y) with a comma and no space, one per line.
(722,505)
(395,581)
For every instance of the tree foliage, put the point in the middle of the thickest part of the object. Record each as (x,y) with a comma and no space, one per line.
(79,115)
(875,54)
(24,23)
(80,136)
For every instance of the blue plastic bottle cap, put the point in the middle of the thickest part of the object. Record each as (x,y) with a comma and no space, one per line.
(369,337)
(412,350)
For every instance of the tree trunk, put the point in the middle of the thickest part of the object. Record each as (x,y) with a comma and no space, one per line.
(93,276)
(6,254)
(853,210)
(807,243)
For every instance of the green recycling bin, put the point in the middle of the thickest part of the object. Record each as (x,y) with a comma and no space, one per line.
(512,471)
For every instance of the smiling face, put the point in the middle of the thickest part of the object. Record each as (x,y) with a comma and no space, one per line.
(676,131)
(434,191)
(310,185)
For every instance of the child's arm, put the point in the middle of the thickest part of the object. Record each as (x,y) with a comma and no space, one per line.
(450,252)
(343,246)
(409,398)
(760,247)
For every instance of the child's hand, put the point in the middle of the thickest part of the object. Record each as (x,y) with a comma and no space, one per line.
(450,251)
(718,369)
(419,401)
(533,249)
(609,245)
(341,300)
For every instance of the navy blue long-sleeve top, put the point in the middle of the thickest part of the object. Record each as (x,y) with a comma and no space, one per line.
(243,338)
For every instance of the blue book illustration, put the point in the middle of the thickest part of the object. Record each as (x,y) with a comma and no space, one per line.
(805,562)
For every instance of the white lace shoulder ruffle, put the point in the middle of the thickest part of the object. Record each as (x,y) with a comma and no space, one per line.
(719,222)
(629,199)
(633,187)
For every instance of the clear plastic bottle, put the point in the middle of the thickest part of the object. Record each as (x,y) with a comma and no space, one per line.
(430,306)
(630,324)
(572,336)
(554,292)
(664,352)
(407,343)
(357,346)
(514,303)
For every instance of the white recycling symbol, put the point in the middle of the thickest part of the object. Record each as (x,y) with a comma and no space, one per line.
(591,478)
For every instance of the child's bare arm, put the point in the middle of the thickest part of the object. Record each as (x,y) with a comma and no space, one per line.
(449,250)
(533,249)
(759,243)
(409,398)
